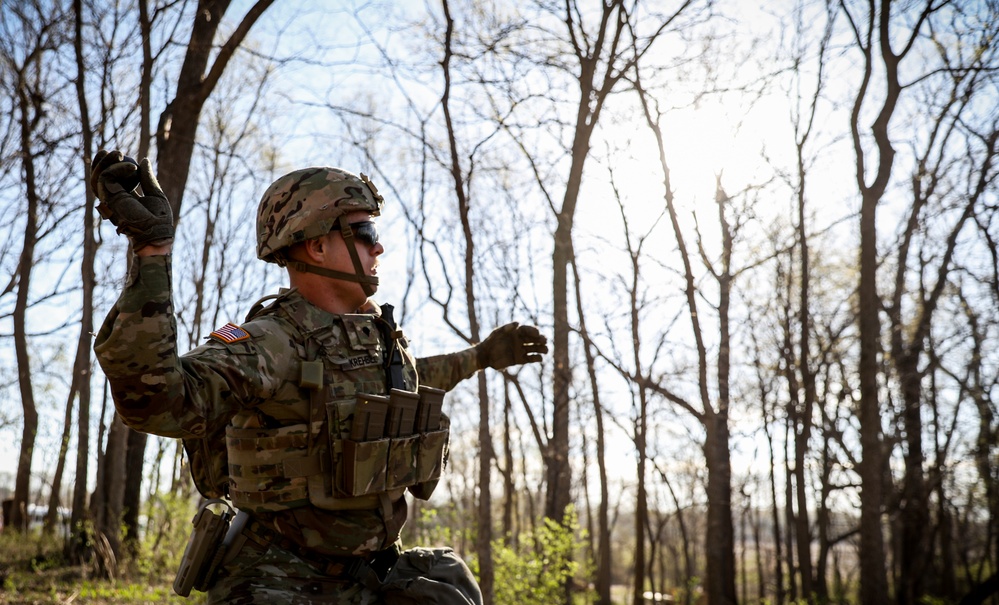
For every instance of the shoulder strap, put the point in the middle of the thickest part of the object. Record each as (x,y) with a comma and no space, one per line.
(261,305)
(393,357)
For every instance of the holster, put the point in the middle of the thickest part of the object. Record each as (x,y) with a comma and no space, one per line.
(204,549)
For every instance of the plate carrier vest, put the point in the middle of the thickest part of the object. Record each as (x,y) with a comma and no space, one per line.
(371,433)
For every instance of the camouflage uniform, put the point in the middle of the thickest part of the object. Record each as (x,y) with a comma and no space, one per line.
(267,409)
(254,382)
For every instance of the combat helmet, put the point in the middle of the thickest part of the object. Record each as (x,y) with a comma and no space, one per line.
(309,203)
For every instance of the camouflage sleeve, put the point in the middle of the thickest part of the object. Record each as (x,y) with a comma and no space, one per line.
(446,371)
(154,389)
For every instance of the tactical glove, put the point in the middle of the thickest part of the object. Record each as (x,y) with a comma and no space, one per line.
(146,218)
(512,344)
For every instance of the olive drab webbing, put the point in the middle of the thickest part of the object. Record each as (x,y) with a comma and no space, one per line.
(346,372)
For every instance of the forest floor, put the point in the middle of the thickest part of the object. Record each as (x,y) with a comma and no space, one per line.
(33,572)
(49,585)
(36,583)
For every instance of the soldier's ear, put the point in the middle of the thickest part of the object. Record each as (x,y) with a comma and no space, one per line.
(314,249)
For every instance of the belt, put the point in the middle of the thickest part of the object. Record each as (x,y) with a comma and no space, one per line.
(331,565)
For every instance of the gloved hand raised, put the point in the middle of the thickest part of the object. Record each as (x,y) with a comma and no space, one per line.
(146,219)
(512,344)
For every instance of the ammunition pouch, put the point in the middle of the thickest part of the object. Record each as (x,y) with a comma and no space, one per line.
(204,549)
(381,452)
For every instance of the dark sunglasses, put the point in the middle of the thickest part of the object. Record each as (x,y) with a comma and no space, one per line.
(365,232)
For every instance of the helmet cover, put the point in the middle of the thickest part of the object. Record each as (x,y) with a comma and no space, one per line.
(305,204)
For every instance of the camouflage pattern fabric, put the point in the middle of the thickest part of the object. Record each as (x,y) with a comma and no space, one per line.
(430,576)
(446,371)
(306,203)
(291,427)
(250,383)
(272,576)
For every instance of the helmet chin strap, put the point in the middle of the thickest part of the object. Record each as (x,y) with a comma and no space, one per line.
(368,282)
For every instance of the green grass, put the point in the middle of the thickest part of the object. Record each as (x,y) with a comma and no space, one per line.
(67,585)
(32,572)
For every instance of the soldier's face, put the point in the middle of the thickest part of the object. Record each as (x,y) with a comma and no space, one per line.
(367,252)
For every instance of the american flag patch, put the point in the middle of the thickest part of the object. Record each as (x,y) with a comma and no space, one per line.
(230,333)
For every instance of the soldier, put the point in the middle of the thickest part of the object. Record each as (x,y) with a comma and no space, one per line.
(280,414)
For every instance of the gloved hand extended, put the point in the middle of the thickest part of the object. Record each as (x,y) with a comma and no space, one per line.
(512,344)
(146,219)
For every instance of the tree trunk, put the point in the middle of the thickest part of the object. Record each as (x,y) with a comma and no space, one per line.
(28,110)
(873,581)
(75,546)
(743,543)
(790,523)
(761,570)
(603,556)
(484,543)
(803,428)
(823,523)
(719,541)
(484,509)
(106,509)
(509,485)
(641,501)
(603,583)
(914,501)
(948,568)
(135,450)
(52,516)
(721,533)
(558,470)
(641,426)
(688,557)
(176,132)
(775,529)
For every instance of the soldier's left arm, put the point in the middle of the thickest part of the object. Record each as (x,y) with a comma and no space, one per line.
(447,370)
(509,345)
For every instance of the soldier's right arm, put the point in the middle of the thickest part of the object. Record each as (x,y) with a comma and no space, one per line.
(154,388)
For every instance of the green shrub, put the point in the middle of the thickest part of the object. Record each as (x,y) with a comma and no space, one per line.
(537,570)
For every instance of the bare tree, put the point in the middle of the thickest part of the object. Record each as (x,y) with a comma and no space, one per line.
(82,369)
(601,58)
(640,397)
(31,32)
(873,37)
(459,178)
(175,137)
(798,343)
(177,128)
(875,32)
(712,413)
(603,535)
(910,333)
(979,384)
